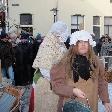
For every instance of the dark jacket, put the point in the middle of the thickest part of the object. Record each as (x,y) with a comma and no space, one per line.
(6,54)
(23,66)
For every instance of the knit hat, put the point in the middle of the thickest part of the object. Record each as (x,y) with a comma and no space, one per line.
(82,35)
(60,29)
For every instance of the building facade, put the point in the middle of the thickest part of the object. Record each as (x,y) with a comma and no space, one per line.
(38,15)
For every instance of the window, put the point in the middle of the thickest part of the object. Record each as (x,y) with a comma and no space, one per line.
(77,23)
(96,20)
(96,26)
(25,19)
(108,25)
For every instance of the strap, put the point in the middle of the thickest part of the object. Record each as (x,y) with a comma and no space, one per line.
(88,102)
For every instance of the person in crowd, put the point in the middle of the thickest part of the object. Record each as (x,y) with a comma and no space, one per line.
(99,44)
(13,38)
(108,37)
(67,43)
(106,46)
(106,51)
(96,39)
(7,58)
(36,43)
(24,60)
(50,52)
(80,74)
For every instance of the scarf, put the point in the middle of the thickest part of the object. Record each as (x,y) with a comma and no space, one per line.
(81,67)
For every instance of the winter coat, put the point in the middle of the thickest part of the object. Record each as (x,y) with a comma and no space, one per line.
(63,86)
(6,54)
(23,66)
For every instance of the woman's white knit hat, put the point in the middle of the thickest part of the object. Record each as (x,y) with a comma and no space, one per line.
(82,35)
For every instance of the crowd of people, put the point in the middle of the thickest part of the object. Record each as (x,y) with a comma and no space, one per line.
(17,54)
(68,64)
(104,46)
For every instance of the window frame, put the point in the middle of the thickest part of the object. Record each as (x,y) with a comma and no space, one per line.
(107,25)
(77,24)
(97,26)
(26,14)
(110,1)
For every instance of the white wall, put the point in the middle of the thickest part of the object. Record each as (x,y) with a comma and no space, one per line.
(89,8)
(43,17)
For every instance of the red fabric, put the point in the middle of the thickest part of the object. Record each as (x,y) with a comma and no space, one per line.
(31,107)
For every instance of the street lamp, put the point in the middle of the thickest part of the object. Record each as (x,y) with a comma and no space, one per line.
(55,11)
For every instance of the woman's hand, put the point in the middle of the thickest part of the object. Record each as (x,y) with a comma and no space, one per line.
(108,107)
(78,93)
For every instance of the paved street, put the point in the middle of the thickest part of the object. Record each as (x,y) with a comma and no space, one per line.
(100,106)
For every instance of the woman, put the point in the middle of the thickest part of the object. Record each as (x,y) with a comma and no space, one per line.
(50,52)
(80,74)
